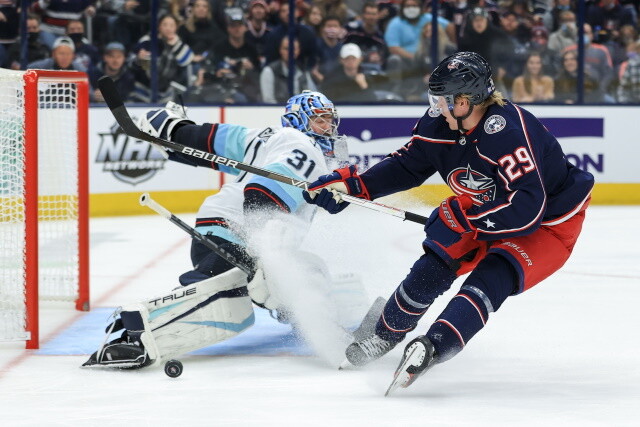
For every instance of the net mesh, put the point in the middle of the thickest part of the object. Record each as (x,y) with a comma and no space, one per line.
(57,197)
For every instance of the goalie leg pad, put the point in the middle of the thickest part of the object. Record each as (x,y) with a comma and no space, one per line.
(201,314)
(184,320)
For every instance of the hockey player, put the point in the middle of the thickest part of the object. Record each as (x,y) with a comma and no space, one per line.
(515,217)
(214,292)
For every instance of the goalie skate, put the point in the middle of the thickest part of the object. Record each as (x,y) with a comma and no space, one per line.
(418,357)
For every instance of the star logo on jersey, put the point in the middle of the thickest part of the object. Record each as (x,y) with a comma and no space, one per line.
(494,124)
(489,223)
(468,181)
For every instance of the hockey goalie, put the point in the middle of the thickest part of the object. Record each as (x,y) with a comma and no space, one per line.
(215,299)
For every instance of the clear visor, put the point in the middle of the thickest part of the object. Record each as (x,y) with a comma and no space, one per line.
(440,103)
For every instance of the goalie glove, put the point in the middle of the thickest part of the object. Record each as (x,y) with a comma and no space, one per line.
(164,122)
(325,192)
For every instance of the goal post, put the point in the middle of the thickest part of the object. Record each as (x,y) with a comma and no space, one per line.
(44,232)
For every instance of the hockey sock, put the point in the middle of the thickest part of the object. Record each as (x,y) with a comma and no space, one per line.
(429,277)
(484,291)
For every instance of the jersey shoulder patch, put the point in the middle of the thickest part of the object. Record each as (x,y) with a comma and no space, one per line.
(494,124)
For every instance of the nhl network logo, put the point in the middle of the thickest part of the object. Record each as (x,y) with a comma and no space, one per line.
(129,160)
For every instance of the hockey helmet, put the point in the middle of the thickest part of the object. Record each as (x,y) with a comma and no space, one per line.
(300,111)
(463,73)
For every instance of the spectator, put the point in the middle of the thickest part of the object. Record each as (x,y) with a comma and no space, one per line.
(552,18)
(115,66)
(599,61)
(484,38)
(86,53)
(402,35)
(423,54)
(179,9)
(348,83)
(36,50)
(336,8)
(131,22)
(62,57)
(199,30)
(274,83)
(56,14)
(257,28)
(609,15)
(367,35)
(539,44)
(566,82)
(522,13)
(233,66)
(629,88)
(328,47)
(174,59)
(305,36)
(566,35)
(456,12)
(9,23)
(314,19)
(533,85)
(516,47)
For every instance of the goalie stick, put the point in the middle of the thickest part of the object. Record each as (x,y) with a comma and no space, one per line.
(119,111)
(146,200)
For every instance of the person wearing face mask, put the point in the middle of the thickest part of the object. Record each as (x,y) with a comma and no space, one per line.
(86,53)
(552,18)
(566,34)
(36,50)
(402,36)
(328,47)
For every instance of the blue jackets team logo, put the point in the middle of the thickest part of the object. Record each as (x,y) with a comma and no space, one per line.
(475,184)
(494,124)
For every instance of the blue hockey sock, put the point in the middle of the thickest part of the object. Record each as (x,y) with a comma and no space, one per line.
(484,291)
(429,277)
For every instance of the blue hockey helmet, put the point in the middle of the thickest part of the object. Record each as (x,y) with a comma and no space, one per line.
(305,106)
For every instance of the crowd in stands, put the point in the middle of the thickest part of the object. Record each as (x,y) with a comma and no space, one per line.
(359,51)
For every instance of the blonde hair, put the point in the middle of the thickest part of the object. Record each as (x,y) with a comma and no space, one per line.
(496,98)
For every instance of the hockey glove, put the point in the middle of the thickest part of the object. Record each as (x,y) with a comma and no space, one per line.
(164,122)
(450,234)
(325,192)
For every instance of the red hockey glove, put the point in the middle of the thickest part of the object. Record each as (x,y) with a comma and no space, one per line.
(450,234)
(325,191)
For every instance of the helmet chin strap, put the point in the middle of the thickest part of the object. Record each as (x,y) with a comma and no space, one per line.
(462,140)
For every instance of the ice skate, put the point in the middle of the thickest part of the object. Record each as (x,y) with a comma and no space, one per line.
(123,353)
(367,350)
(418,357)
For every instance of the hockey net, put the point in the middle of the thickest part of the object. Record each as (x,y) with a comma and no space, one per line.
(43,196)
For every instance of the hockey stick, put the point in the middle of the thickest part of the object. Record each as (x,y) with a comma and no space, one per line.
(146,200)
(119,111)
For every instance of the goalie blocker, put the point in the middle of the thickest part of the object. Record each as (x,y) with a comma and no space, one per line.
(184,320)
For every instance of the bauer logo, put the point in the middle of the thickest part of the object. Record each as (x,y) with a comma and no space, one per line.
(129,160)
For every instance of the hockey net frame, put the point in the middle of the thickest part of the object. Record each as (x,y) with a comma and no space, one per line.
(33,105)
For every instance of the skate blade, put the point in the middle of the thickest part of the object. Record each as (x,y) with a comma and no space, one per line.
(345,365)
(401,377)
(400,380)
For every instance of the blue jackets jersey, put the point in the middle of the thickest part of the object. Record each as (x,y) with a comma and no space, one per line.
(512,167)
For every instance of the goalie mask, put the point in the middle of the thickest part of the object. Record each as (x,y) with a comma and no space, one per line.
(313,114)
(463,73)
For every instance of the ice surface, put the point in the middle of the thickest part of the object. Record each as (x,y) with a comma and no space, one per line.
(566,353)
